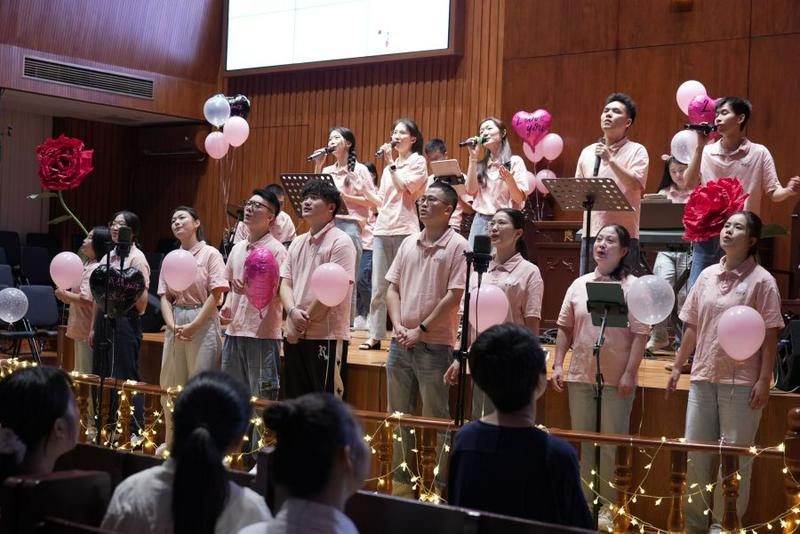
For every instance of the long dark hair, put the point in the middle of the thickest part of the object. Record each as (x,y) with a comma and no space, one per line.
(210,415)
(200,234)
(666,178)
(503,155)
(518,221)
(310,430)
(101,241)
(131,221)
(350,137)
(414,131)
(31,400)
(622,270)
(754,226)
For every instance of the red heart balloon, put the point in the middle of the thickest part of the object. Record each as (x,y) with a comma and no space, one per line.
(531,127)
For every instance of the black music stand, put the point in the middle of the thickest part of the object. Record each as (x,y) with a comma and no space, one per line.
(606,303)
(587,194)
(294,182)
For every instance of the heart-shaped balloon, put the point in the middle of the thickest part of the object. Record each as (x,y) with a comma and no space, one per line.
(261,278)
(240,105)
(531,127)
(124,288)
(701,109)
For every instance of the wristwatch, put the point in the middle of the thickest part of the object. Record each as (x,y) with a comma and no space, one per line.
(423,327)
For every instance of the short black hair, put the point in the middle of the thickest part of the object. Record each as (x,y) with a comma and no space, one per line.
(435,144)
(324,190)
(450,195)
(271,199)
(275,189)
(626,101)
(740,106)
(506,361)
(101,241)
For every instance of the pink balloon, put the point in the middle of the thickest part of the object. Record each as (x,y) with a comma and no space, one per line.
(261,277)
(330,284)
(529,152)
(236,131)
(552,145)
(686,92)
(66,270)
(488,306)
(701,109)
(740,332)
(531,127)
(531,182)
(216,145)
(544,173)
(179,269)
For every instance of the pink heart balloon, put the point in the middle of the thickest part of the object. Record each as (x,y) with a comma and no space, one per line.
(531,127)
(701,109)
(261,278)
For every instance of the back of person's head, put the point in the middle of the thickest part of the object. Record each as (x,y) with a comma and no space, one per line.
(625,100)
(210,417)
(37,405)
(101,241)
(317,437)
(508,364)
(276,190)
(325,191)
(270,198)
(740,106)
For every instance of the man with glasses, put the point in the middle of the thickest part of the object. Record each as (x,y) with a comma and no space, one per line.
(427,280)
(317,336)
(252,345)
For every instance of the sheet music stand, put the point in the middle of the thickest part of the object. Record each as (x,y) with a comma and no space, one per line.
(294,183)
(587,194)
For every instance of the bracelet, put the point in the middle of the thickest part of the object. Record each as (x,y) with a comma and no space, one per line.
(423,327)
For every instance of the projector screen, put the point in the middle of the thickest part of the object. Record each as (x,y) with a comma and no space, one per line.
(265,34)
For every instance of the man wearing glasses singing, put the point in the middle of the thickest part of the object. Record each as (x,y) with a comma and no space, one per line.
(252,345)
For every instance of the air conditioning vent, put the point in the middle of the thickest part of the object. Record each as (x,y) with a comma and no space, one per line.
(87,78)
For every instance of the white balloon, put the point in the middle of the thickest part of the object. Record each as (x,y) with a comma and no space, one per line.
(683,145)
(13,304)
(217,110)
(650,299)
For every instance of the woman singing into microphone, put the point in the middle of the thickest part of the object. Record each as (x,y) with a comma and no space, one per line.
(402,182)
(497,180)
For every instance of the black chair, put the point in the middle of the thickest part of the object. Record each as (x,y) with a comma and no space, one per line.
(40,321)
(3,257)
(36,265)
(6,276)
(10,242)
(48,241)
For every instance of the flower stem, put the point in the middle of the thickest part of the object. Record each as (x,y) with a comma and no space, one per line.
(69,212)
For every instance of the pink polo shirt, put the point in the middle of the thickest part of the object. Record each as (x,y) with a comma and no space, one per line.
(631,156)
(617,348)
(751,163)
(210,276)
(80,317)
(522,283)
(423,274)
(397,214)
(306,253)
(676,196)
(495,194)
(458,213)
(282,229)
(354,184)
(135,259)
(246,321)
(716,290)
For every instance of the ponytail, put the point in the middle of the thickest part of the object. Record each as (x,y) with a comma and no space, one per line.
(200,489)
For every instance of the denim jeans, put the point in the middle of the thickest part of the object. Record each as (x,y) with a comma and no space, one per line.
(411,371)
(480,226)
(670,266)
(352,229)
(384,249)
(717,411)
(704,254)
(364,284)
(254,362)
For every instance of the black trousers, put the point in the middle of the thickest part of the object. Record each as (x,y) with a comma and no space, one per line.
(315,365)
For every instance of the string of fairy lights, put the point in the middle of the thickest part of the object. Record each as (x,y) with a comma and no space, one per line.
(428,490)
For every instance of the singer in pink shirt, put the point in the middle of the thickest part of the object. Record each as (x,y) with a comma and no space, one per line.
(496,180)
(282,229)
(402,182)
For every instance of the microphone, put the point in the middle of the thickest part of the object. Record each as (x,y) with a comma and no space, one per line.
(123,242)
(472,141)
(318,152)
(705,128)
(379,153)
(481,253)
(601,141)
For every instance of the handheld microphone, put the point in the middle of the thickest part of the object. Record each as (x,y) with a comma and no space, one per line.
(481,253)
(318,152)
(601,141)
(705,128)
(379,153)
(123,242)
(472,141)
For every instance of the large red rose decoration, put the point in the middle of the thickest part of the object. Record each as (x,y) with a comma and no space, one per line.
(710,206)
(63,163)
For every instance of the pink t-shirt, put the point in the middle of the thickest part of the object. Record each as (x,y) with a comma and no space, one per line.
(282,229)
(354,184)
(366,232)
(495,194)
(247,322)
(522,283)
(397,214)
(617,348)
(751,163)
(80,317)
(306,253)
(676,196)
(210,276)
(628,155)
(423,274)
(716,290)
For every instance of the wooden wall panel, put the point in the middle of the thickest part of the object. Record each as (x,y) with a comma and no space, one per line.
(771,17)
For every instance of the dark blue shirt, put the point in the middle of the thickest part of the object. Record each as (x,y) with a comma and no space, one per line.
(520,472)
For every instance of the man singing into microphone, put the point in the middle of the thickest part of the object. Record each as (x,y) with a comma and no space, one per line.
(733,155)
(427,280)
(617,157)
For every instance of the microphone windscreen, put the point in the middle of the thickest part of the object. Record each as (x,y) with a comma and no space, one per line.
(482,244)
(124,235)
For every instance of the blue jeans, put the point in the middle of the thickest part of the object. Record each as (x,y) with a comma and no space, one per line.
(704,254)
(670,266)
(254,362)
(364,284)
(480,226)
(411,371)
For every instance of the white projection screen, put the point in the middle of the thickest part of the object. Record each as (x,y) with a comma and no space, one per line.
(272,35)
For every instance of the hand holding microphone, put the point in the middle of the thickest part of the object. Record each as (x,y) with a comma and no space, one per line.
(472,141)
(319,152)
(386,148)
(598,151)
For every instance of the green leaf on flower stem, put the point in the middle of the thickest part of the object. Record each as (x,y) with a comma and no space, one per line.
(59,219)
(772,230)
(43,194)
